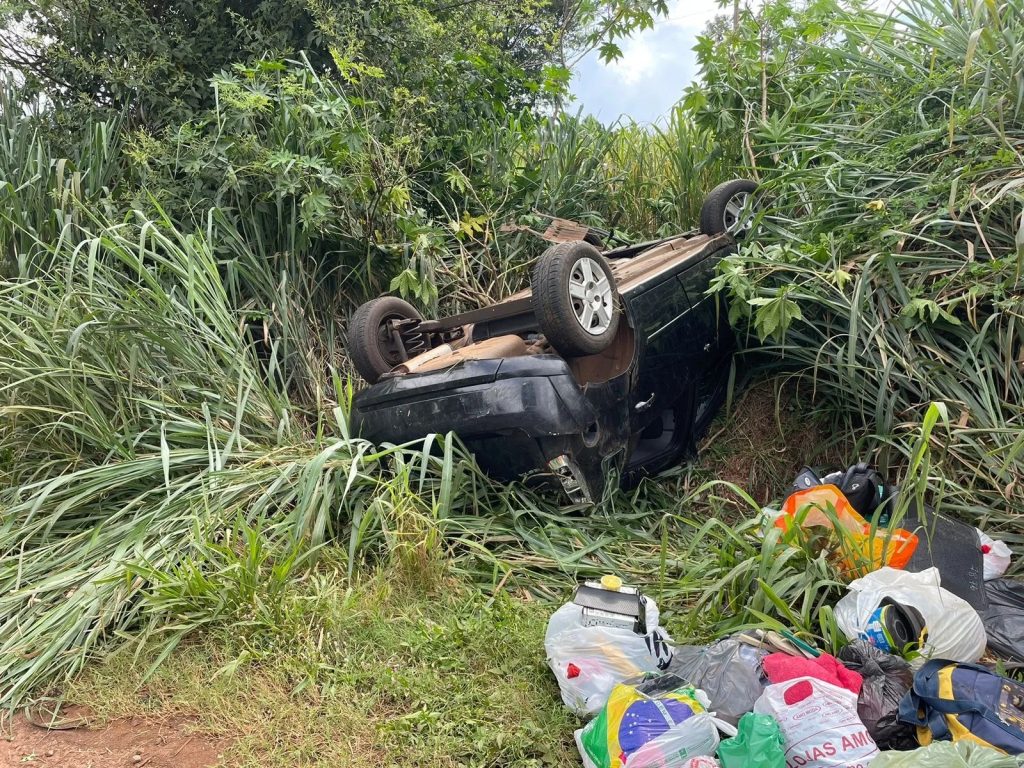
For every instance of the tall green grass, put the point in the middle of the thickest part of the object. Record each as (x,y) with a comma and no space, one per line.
(45,195)
(159,481)
(889,262)
(137,424)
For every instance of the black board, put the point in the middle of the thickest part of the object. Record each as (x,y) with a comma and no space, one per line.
(952,547)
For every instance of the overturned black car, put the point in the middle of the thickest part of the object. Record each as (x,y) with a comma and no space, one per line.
(614,363)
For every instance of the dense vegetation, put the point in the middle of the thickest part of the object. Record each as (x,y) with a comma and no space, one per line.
(156,480)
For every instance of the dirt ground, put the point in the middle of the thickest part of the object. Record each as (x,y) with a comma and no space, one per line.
(768,437)
(134,743)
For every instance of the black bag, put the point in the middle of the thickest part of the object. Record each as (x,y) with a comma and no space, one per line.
(862,486)
(1004,618)
(887,679)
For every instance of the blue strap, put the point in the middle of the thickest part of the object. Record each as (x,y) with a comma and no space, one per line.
(922,707)
(910,710)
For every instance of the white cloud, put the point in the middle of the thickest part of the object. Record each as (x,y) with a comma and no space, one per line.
(692,14)
(655,67)
(637,62)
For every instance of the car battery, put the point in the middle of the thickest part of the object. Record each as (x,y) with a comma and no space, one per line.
(610,604)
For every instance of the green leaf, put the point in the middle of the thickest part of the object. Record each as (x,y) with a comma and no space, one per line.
(609,52)
(774,315)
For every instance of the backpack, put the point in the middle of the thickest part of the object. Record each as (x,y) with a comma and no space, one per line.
(950,701)
(862,486)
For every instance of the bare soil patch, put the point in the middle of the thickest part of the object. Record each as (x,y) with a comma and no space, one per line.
(128,743)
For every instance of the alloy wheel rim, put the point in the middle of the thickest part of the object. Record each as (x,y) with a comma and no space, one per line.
(738,216)
(590,292)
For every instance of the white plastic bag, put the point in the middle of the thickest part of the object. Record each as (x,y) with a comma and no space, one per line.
(652,721)
(955,631)
(819,723)
(701,762)
(995,556)
(696,736)
(589,661)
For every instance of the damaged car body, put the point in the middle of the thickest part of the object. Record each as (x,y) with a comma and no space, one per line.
(613,364)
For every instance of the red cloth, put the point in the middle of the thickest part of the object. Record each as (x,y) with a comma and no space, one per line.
(781,667)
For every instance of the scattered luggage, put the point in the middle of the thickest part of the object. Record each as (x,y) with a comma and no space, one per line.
(942,754)
(887,678)
(781,668)
(951,547)
(953,629)
(929,597)
(862,486)
(995,556)
(860,547)
(609,632)
(1004,618)
(819,724)
(950,702)
(757,744)
(652,721)
(728,671)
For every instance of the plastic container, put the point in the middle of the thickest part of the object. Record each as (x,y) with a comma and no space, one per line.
(862,549)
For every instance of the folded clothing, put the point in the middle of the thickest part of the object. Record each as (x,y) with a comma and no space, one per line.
(781,667)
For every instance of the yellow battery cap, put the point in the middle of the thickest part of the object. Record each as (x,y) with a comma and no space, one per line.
(612,582)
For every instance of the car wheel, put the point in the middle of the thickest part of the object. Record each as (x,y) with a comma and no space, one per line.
(729,207)
(370,344)
(574,299)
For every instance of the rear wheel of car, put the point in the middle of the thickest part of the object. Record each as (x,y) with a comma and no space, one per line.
(574,299)
(371,345)
(729,207)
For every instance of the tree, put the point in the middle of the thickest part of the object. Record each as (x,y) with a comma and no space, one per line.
(149,58)
(153,59)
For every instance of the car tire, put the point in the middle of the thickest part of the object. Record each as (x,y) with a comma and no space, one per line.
(369,347)
(723,206)
(574,299)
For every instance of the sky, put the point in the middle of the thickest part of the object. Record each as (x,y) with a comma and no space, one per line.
(656,65)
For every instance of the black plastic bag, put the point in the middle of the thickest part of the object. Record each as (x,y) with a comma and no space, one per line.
(1004,618)
(886,679)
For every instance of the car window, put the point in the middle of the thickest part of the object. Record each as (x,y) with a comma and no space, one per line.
(658,306)
(696,279)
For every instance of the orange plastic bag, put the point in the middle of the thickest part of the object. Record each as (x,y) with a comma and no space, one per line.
(862,550)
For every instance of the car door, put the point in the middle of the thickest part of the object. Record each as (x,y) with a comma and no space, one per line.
(661,318)
(711,335)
